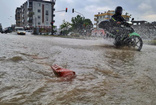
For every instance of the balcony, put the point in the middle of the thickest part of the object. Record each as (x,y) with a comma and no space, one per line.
(30,9)
(30,21)
(30,14)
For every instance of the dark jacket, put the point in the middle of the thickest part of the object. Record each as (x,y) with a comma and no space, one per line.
(116,18)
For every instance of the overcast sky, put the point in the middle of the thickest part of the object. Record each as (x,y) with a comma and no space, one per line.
(140,9)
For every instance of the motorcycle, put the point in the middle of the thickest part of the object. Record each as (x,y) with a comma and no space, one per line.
(128,37)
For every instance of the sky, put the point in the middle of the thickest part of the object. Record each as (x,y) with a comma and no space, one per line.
(139,9)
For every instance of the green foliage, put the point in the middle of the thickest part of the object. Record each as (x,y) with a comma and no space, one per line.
(80,23)
(88,23)
(77,22)
(65,27)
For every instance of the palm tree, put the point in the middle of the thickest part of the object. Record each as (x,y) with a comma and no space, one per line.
(81,25)
(77,22)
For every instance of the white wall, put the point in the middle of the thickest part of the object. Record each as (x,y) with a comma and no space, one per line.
(47,7)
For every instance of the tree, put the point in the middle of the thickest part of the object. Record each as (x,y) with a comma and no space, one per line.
(81,25)
(88,23)
(65,27)
(77,22)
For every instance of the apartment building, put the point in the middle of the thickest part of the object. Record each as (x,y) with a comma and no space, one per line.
(18,17)
(107,16)
(34,14)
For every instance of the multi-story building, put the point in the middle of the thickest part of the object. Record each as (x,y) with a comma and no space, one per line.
(18,17)
(34,13)
(107,16)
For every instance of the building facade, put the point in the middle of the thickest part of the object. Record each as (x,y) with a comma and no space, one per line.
(34,14)
(107,16)
(18,17)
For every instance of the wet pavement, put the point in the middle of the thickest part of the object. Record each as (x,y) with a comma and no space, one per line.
(105,75)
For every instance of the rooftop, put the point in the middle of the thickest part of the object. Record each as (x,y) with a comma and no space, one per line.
(40,1)
(109,12)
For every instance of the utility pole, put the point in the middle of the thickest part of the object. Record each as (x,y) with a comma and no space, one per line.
(52,16)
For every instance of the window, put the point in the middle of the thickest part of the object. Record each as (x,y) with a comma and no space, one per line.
(39,17)
(39,23)
(106,16)
(47,19)
(47,12)
(39,4)
(30,4)
(39,10)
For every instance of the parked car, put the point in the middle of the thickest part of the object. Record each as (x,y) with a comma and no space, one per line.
(1,28)
(6,30)
(30,31)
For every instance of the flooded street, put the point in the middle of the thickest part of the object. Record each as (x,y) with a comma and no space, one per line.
(105,75)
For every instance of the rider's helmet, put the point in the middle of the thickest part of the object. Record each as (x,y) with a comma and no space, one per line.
(118,10)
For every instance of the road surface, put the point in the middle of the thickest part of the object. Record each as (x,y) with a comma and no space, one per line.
(105,75)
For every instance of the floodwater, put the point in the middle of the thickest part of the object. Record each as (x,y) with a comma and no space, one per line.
(104,75)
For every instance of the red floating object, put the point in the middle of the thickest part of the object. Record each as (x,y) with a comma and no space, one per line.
(61,72)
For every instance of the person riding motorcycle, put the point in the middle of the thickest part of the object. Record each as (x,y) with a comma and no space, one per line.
(121,30)
(116,23)
(117,17)
(117,20)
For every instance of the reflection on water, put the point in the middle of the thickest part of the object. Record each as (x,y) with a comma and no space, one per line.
(121,60)
(103,73)
(122,55)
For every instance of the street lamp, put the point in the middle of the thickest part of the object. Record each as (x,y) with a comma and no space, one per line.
(52,16)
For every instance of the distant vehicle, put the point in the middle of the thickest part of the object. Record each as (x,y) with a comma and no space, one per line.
(20,30)
(29,31)
(1,28)
(7,30)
